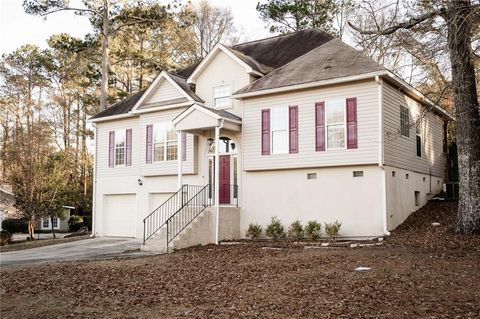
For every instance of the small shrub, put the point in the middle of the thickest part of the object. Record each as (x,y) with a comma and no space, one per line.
(275,229)
(332,229)
(15,225)
(87,221)
(295,231)
(254,231)
(313,230)
(5,237)
(75,223)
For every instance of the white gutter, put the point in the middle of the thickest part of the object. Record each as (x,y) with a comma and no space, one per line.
(94,202)
(161,108)
(110,118)
(379,81)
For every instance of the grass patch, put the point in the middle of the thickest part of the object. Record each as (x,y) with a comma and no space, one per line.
(21,245)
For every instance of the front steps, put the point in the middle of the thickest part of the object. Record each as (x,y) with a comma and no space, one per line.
(200,231)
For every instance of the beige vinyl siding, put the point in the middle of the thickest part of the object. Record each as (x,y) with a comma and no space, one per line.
(165,91)
(222,70)
(166,167)
(401,151)
(103,129)
(367,119)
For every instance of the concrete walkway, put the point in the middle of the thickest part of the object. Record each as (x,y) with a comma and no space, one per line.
(87,249)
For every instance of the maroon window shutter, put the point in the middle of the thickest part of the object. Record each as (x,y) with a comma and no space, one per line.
(320,126)
(293,129)
(266,132)
(148,152)
(128,147)
(184,146)
(111,149)
(351,123)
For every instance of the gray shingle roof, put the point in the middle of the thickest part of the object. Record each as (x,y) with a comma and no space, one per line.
(224,114)
(182,83)
(334,59)
(121,107)
(277,51)
(300,57)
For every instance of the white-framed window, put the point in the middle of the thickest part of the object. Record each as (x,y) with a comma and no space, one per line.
(165,142)
(45,222)
(335,124)
(120,143)
(418,136)
(221,96)
(279,130)
(404,121)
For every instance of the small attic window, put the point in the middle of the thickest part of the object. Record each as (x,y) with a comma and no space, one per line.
(221,96)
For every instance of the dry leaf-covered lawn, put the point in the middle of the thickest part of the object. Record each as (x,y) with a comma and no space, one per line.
(421,271)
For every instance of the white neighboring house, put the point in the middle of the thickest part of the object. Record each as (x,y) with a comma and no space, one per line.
(7,203)
(306,126)
(58,223)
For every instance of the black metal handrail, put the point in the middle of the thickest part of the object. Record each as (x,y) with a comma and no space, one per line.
(157,218)
(187,214)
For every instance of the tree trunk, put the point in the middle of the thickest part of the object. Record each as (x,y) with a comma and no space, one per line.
(467,115)
(53,229)
(105,57)
(31,229)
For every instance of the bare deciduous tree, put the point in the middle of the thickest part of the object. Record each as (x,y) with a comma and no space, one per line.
(211,25)
(461,19)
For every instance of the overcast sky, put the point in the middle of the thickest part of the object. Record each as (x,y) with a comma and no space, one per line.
(18,28)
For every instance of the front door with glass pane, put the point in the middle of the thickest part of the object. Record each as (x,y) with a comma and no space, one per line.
(224,179)
(227,171)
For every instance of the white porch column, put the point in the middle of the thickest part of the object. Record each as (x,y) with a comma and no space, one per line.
(179,158)
(216,181)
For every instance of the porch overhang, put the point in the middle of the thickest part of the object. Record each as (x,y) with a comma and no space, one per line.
(198,119)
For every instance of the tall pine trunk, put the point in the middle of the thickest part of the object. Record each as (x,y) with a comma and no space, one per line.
(105,56)
(467,115)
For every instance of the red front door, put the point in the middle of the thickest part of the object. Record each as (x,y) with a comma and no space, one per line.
(224,179)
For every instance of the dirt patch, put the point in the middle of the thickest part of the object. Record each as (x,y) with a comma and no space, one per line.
(406,280)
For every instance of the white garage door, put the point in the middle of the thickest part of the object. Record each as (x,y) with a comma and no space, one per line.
(119,215)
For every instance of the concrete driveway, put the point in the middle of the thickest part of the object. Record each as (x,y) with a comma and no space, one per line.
(88,249)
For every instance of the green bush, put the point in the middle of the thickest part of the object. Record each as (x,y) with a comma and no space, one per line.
(254,231)
(87,221)
(5,237)
(275,229)
(15,225)
(313,230)
(332,230)
(75,223)
(295,231)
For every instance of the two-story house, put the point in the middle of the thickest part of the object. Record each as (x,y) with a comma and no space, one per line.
(298,126)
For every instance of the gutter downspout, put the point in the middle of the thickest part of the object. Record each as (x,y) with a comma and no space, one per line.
(217,181)
(94,202)
(378,80)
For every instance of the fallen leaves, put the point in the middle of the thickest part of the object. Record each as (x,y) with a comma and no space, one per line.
(421,271)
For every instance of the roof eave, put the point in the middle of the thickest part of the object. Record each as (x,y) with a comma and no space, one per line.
(220,47)
(110,118)
(309,85)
